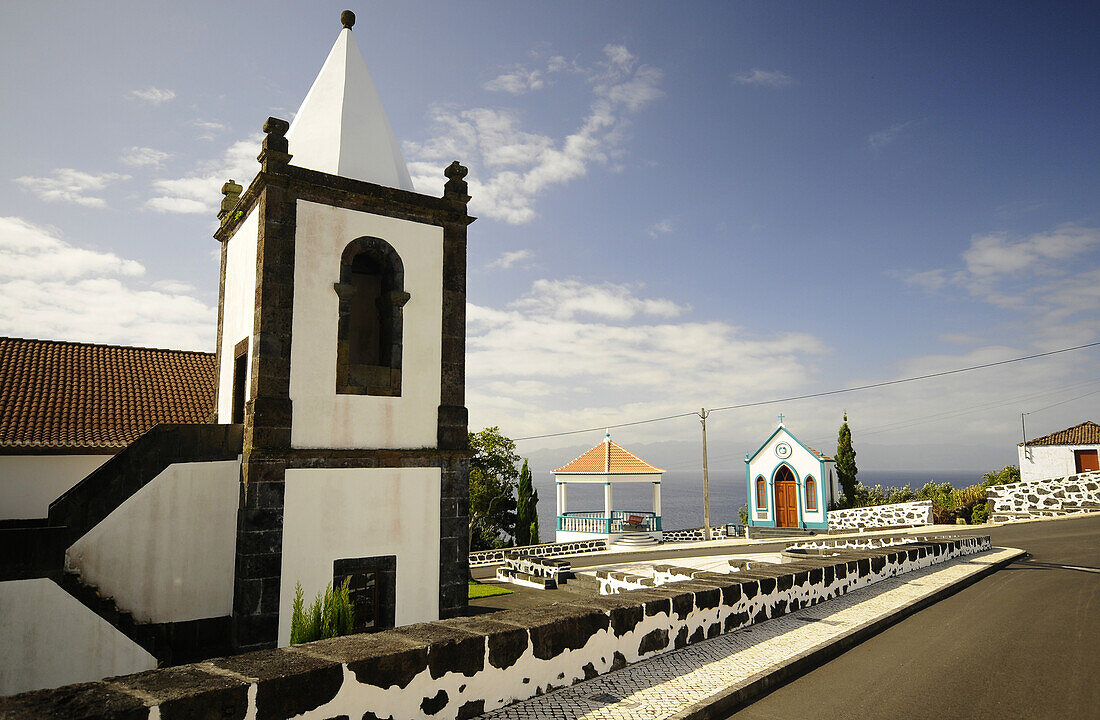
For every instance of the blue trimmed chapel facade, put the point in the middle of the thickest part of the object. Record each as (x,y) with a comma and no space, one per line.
(789,483)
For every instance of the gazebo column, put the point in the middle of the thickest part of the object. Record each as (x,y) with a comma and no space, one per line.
(607,504)
(657,501)
(562,505)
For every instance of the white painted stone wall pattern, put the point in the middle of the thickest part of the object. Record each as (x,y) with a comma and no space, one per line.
(443,668)
(238,308)
(480,558)
(875,516)
(29,483)
(51,639)
(1043,497)
(1049,461)
(496,687)
(321,417)
(167,553)
(333,513)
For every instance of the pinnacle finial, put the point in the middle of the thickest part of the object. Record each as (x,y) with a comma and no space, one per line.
(347,19)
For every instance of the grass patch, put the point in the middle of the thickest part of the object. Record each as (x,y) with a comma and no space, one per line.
(477,590)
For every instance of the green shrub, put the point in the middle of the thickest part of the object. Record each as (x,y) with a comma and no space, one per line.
(980,514)
(330,615)
(743,514)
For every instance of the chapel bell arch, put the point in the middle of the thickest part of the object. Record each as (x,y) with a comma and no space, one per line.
(372,297)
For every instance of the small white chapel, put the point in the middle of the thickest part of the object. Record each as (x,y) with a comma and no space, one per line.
(789,484)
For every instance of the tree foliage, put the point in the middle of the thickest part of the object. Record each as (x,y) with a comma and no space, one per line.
(527,511)
(493,477)
(1009,474)
(846,470)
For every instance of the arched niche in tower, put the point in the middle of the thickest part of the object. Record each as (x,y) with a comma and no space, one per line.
(372,297)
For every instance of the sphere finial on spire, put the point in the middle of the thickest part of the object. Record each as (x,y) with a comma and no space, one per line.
(347,19)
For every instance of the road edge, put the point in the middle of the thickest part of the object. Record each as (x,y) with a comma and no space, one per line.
(735,697)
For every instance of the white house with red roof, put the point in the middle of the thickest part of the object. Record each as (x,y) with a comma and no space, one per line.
(1060,454)
(608,464)
(789,484)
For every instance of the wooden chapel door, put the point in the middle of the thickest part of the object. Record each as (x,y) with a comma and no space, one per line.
(786,498)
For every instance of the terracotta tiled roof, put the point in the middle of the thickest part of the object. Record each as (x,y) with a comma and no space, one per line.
(608,457)
(818,453)
(66,395)
(1087,433)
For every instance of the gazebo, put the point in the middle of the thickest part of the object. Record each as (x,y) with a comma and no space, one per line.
(608,464)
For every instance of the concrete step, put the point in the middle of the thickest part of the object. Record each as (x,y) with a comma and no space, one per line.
(633,539)
(755,533)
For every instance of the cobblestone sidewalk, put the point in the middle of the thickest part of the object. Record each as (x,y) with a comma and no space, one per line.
(669,685)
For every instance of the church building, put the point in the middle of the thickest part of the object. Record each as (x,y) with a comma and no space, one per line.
(333,444)
(789,484)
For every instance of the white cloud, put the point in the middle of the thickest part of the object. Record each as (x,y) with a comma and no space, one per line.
(996,254)
(882,138)
(518,81)
(567,299)
(54,289)
(664,227)
(153,95)
(1049,280)
(763,78)
(35,252)
(508,259)
(511,167)
(71,186)
(208,130)
(200,190)
(144,157)
(571,355)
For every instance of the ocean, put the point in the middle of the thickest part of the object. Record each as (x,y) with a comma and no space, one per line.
(682,495)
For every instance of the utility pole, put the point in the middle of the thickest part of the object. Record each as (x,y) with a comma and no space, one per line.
(706,485)
(1027,450)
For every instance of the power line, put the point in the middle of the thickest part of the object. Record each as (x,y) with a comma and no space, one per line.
(826,393)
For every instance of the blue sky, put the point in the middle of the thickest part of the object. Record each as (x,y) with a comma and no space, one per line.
(681,205)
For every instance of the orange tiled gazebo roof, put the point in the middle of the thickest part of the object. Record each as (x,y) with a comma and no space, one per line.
(608,457)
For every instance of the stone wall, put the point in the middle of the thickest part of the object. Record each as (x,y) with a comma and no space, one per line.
(717,532)
(1044,498)
(481,558)
(462,667)
(882,516)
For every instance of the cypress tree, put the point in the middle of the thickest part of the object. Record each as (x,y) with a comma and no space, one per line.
(526,512)
(846,470)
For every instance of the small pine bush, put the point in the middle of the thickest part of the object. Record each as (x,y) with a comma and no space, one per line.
(330,615)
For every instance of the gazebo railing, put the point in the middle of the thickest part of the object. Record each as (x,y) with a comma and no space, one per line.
(594,521)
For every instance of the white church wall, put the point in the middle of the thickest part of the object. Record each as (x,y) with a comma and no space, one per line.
(238,308)
(50,639)
(322,418)
(802,462)
(167,553)
(29,483)
(335,513)
(1049,461)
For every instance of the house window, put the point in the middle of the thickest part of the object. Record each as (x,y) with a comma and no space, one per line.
(811,493)
(761,494)
(372,298)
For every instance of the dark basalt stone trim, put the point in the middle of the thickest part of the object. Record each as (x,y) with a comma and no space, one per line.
(224,252)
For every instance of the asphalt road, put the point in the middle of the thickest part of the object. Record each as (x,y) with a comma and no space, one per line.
(1022,643)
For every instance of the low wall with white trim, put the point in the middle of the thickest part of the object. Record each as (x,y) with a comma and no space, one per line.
(462,667)
(1044,498)
(481,558)
(908,514)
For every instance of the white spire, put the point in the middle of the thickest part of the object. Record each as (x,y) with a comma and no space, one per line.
(341,127)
